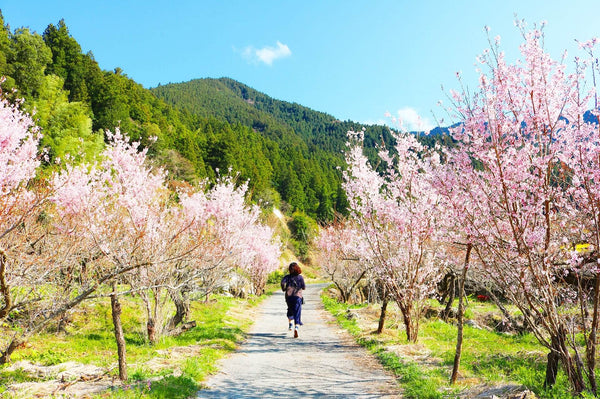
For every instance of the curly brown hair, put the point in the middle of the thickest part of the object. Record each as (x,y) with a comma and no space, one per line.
(295,269)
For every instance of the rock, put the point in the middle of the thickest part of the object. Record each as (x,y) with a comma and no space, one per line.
(68,371)
(350,315)
(507,392)
(431,313)
(473,324)
(70,379)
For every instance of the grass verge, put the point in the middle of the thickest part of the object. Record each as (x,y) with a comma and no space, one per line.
(489,359)
(173,368)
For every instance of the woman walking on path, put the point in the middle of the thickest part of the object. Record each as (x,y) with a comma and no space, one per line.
(293,285)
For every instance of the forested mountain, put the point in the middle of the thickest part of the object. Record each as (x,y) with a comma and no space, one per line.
(290,154)
(311,142)
(285,122)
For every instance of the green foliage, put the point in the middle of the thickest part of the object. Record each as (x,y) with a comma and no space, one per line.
(27,57)
(4,46)
(418,383)
(276,276)
(48,358)
(167,387)
(303,230)
(338,309)
(305,146)
(173,387)
(67,126)
(302,227)
(67,61)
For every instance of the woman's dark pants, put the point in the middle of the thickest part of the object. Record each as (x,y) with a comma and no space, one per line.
(294,309)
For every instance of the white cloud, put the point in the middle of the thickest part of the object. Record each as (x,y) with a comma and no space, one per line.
(409,119)
(267,54)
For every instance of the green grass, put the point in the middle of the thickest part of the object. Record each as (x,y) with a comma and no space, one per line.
(221,325)
(180,387)
(487,357)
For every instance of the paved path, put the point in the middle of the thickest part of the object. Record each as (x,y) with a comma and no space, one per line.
(324,362)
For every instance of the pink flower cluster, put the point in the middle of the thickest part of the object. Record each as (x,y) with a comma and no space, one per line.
(18,163)
(125,209)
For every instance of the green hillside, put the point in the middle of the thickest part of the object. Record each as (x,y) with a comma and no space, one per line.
(284,122)
(311,142)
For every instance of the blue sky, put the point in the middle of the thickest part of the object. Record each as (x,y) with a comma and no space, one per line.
(355,60)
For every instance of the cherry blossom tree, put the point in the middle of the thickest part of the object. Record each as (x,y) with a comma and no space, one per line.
(231,234)
(113,227)
(342,251)
(510,180)
(398,213)
(581,157)
(119,208)
(20,204)
(261,251)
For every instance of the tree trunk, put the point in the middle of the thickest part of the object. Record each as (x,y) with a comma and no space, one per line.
(410,324)
(451,296)
(150,320)
(551,368)
(354,286)
(151,329)
(591,342)
(119,337)
(5,355)
(407,326)
(182,309)
(560,352)
(382,316)
(461,311)
(343,295)
(573,372)
(4,289)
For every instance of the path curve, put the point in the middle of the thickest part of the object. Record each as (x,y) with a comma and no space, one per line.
(324,362)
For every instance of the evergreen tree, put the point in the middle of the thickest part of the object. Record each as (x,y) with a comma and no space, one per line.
(4,46)
(67,60)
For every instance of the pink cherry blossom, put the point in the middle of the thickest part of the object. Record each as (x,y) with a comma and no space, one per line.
(398,216)
(18,164)
(510,186)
